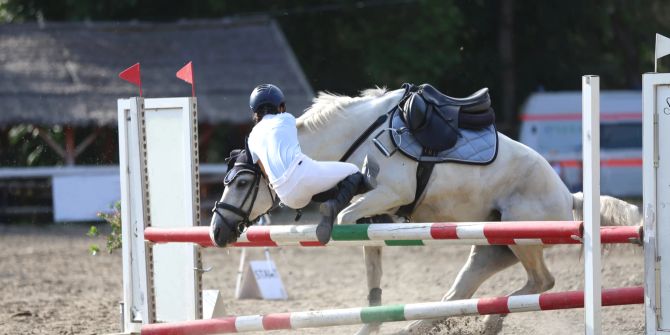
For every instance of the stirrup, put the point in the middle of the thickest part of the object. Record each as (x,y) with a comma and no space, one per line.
(370,170)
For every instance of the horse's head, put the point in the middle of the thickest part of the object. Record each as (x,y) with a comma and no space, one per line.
(246,196)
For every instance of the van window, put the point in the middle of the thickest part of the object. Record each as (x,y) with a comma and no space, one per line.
(621,135)
(557,137)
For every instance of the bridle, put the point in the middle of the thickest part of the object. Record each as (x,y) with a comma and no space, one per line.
(237,169)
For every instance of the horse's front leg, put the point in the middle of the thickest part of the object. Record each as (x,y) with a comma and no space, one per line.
(373,270)
(379,201)
(372,204)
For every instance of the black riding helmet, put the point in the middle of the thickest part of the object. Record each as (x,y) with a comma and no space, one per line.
(265,95)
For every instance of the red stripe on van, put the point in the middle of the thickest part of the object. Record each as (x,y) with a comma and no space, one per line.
(568,163)
(629,162)
(624,162)
(578,117)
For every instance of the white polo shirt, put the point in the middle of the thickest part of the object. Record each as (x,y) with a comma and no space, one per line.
(274,140)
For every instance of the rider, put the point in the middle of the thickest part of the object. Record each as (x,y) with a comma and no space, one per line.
(296,178)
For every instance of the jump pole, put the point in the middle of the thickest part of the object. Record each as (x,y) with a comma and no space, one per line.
(591,183)
(391,313)
(399,234)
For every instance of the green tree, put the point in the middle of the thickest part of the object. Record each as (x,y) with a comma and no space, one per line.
(356,48)
(513,47)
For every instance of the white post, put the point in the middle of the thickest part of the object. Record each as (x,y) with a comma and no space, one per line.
(656,173)
(137,304)
(591,184)
(158,160)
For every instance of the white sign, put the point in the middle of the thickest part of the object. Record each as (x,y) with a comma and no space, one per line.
(261,280)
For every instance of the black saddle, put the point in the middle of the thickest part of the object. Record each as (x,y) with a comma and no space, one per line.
(478,102)
(435,118)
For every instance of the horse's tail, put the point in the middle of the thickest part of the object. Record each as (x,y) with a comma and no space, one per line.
(613,211)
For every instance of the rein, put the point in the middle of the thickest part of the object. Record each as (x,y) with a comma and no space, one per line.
(357,143)
(380,120)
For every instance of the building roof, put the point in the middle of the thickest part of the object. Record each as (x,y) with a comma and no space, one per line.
(67,73)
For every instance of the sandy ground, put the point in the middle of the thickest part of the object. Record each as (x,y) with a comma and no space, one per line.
(50,285)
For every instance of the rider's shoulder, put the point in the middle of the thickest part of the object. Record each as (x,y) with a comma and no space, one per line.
(287,116)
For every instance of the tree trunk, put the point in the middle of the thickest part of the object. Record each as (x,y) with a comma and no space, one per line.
(624,40)
(70,148)
(507,73)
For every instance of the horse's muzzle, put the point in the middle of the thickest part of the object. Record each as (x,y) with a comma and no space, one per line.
(222,232)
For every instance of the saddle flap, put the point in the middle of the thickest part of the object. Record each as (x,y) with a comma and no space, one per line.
(414,112)
(436,128)
(473,146)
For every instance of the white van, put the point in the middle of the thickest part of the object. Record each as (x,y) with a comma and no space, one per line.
(552,126)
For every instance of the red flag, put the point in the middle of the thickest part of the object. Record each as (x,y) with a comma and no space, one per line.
(132,75)
(186,74)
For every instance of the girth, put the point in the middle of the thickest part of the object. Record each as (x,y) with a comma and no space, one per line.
(423,172)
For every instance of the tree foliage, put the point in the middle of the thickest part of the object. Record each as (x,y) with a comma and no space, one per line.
(345,46)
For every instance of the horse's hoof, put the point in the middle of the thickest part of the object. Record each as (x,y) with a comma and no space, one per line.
(418,327)
(368,329)
(493,324)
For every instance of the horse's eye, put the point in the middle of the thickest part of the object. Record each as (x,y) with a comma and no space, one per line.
(242,183)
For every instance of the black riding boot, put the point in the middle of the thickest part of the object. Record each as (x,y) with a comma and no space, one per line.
(351,186)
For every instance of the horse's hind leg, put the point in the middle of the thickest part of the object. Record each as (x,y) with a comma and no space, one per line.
(554,206)
(484,262)
(539,280)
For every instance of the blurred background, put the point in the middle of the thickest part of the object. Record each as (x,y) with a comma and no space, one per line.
(60,59)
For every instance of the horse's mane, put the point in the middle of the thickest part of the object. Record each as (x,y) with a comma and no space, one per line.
(326,105)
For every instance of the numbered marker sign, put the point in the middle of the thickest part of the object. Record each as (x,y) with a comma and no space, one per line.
(261,280)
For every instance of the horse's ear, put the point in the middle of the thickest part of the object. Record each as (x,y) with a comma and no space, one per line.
(250,160)
(233,157)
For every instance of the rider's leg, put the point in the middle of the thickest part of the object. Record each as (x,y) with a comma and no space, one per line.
(340,181)
(369,184)
(352,185)
(307,177)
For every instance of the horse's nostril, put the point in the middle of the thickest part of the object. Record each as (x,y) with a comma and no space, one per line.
(223,232)
(219,234)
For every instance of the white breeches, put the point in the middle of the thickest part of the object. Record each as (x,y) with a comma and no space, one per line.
(306,177)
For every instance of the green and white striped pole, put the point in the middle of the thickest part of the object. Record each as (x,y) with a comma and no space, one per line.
(404,234)
(390,313)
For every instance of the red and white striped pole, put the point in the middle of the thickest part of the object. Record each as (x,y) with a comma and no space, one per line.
(398,234)
(390,313)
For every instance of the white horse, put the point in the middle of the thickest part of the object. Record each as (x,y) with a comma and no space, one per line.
(519,185)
